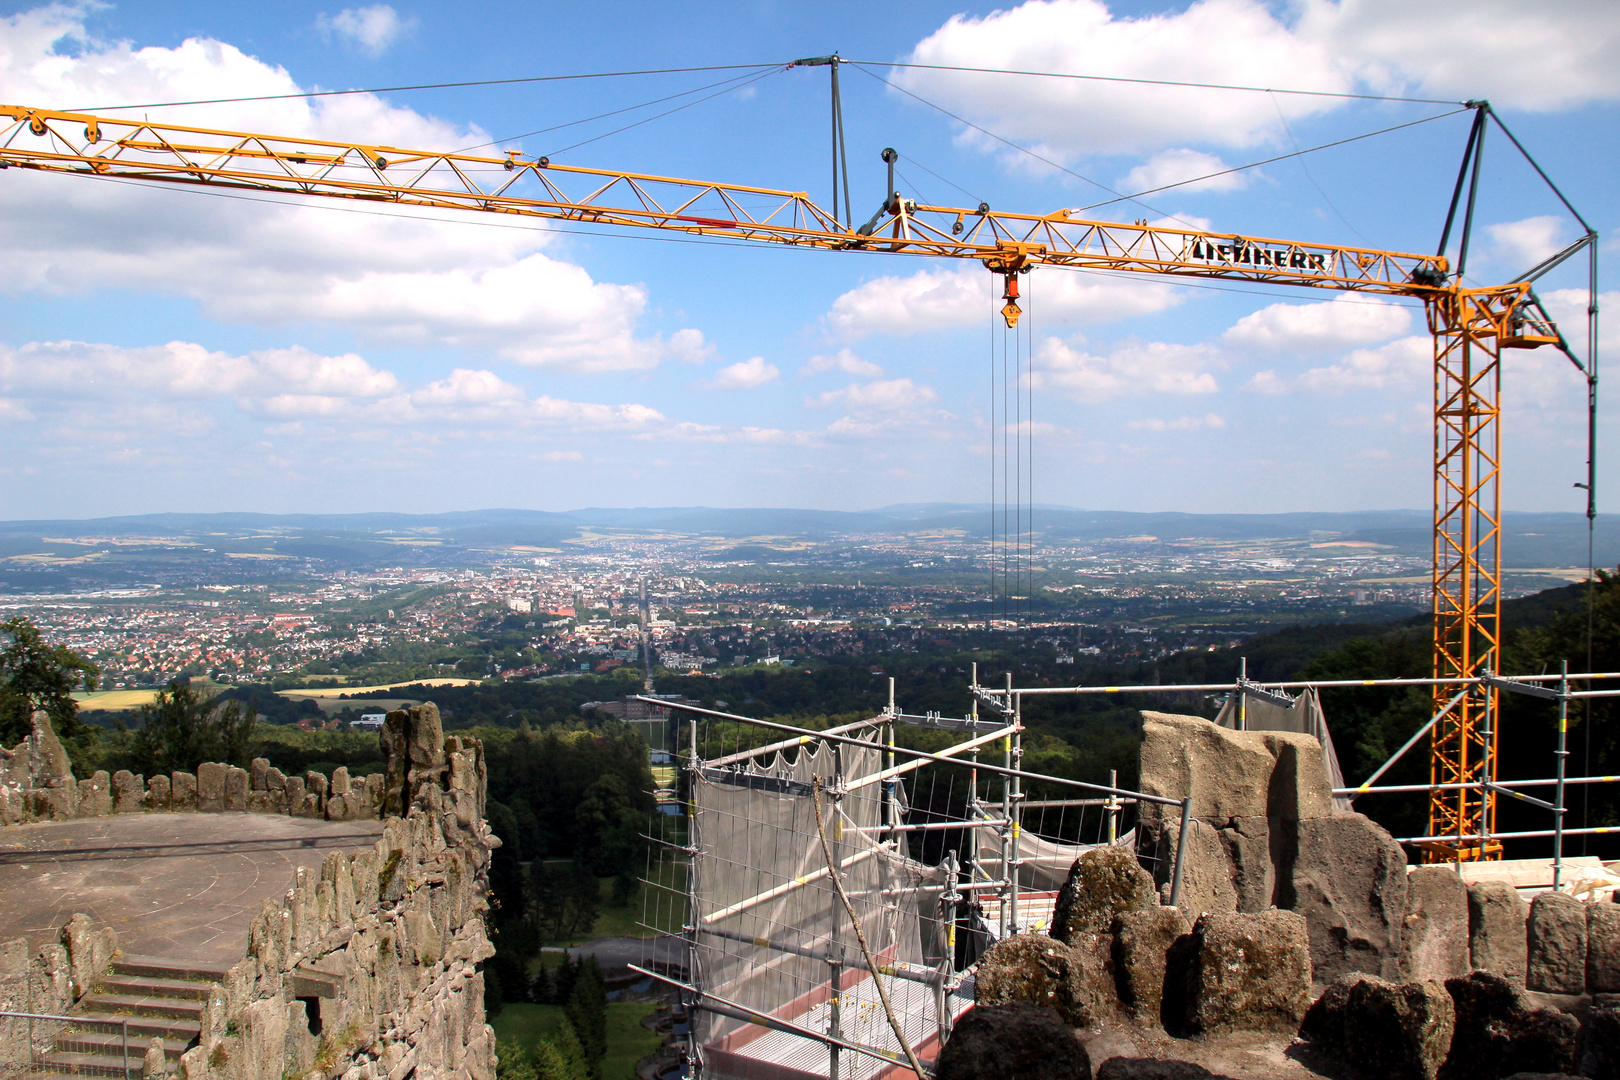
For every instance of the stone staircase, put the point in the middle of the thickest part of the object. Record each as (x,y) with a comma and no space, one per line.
(147,996)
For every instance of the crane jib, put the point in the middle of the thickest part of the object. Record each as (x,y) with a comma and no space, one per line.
(1253,255)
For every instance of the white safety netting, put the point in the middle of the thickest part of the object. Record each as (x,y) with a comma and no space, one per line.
(767,916)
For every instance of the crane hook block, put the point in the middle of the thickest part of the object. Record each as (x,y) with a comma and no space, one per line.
(1011,311)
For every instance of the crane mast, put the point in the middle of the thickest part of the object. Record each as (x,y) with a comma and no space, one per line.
(1470,327)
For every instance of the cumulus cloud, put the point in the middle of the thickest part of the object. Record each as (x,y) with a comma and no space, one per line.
(373,29)
(1332,324)
(744,375)
(1181,423)
(689,347)
(403,279)
(1402,363)
(843,360)
(885,395)
(1177,166)
(1518,55)
(933,299)
(1153,367)
(1523,244)
(282,384)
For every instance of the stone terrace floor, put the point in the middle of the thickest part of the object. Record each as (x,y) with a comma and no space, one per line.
(175,885)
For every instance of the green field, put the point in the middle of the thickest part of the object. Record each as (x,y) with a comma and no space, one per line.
(627,1041)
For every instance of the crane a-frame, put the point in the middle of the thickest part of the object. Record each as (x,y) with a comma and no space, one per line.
(1470,326)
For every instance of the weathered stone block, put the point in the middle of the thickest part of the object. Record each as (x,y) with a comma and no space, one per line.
(316,782)
(1434,935)
(1142,941)
(1497,1033)
(295,795)
(1348,879)
(340,780)
(1241,971)
(1497,921)
(236,788)
(1299,785)
(89,952)
(274,780)
(1248,842)
(211,787)
(259,774)
(1102,883)
(1399,1032)
(1141,1068)
(1012,1042)
(1556,945)
(155,1062)
(1031,969)
(95,795)
(157,792)
(337,808)
(1227,773)
(1602,947)
(129,792)
(1206,876)
(1598,1046)
(258,802)
(183,791)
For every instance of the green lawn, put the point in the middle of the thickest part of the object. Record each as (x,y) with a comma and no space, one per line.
(627,1040)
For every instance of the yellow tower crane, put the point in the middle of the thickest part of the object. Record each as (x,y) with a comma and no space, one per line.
(1471,326)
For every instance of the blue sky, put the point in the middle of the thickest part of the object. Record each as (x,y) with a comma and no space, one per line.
(162,350)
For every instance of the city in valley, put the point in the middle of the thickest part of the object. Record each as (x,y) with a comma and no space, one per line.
(510,596)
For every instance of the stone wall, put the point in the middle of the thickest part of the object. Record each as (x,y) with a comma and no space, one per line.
(37,784)
(379,953)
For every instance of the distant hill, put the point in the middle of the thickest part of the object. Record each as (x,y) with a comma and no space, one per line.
(1529,539)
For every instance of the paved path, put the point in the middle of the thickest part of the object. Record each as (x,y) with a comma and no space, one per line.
(173,885)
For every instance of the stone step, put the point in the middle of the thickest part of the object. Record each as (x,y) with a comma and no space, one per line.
(140,1005)
(91,1064)
(146,1027)
(106,1043)
(165,967)
(151,986)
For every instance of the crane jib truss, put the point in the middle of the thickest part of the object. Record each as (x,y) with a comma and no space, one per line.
(1470,326)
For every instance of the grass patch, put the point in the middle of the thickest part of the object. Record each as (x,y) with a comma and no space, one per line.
(627,1041)
(335,691)
(115,700)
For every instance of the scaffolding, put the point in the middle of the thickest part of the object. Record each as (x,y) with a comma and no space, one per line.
(832,889)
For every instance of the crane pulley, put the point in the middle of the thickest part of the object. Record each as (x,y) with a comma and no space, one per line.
(1470,326)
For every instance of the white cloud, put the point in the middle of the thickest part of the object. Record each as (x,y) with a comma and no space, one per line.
(1212,41)
(1152,367)
(688,347)
(933,299)
(1176,166)
(885,395)
(1523,56)
(1539,56)
(1183,423)
(1523,244)
(1400,364)
(1568,309)
(843,360)
(1332,324)
(467,387)
(744,375)
(374,29)
(401,278)
(1267,382)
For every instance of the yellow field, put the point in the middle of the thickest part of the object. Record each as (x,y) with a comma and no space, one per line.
(116,700)
(335,691)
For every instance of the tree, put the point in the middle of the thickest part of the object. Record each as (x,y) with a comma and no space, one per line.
(184,726)
(607,828)
(586,1009)
(35,675)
